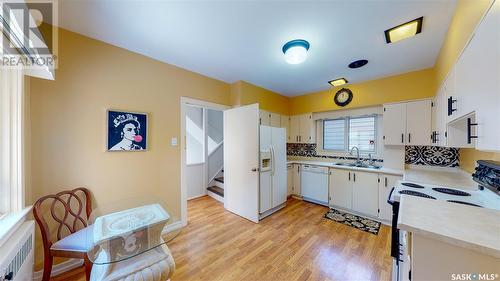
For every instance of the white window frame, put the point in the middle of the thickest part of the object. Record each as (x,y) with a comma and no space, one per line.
(12,103)
(378,153)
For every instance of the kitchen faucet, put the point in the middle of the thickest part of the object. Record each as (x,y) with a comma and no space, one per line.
(358,160)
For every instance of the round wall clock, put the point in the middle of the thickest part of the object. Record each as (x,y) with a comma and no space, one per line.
(343,97)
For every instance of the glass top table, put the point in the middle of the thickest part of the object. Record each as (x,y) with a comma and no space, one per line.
(127,242)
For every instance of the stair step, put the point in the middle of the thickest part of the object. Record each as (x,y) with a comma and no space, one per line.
(220,179)
(217,190)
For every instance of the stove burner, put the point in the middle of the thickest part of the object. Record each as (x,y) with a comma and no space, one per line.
(416,193)
(465,203)
(451,191)
(414,185)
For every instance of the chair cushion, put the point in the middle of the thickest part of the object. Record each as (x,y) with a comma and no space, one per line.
(80,241)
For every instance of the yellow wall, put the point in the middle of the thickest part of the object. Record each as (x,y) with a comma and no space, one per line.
(467,15)
(469,156)
(68,119)
(243,93)
(412,85)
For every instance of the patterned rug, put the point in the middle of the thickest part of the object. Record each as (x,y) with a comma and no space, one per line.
(351,220)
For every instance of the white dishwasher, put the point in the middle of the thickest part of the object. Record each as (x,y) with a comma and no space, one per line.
(314,184)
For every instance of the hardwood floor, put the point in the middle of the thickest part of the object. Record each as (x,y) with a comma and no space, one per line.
(296,243)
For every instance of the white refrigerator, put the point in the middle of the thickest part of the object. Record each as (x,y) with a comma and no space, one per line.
(273,173)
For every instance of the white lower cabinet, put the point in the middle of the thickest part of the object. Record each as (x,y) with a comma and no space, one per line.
(361,192)
(387,182)
(296,180)
(365,193)
(340,186)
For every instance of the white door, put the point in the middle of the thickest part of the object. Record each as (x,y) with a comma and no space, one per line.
(340,186)
(279,176)
(265,194)
(241,161)
(387,182)
(274,120)
(264,118)
(418,122)
(289,180)
(285,123)
(394,124)
(296,180)
(365,193)
(295,128)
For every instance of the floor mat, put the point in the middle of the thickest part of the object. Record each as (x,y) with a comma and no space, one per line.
(351,220)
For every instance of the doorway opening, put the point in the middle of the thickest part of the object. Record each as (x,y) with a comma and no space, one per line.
(202,150)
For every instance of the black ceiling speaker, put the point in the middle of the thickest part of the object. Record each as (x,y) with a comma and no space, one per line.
(358,63)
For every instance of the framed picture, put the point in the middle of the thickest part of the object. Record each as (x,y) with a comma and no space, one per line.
(127,131)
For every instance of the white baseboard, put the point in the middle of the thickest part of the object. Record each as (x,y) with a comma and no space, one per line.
(74,263)
(59,268)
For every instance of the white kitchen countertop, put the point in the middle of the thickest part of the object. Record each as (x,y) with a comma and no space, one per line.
(444,176)
(464,226)
(382,170)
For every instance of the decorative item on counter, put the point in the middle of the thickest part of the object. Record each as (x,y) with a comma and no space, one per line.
(127,131)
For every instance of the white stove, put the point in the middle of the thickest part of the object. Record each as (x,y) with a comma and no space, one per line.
(484,198)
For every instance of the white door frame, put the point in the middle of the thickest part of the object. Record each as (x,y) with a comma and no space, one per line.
(184,102)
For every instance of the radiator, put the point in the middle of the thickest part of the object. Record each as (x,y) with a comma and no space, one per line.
(17,254)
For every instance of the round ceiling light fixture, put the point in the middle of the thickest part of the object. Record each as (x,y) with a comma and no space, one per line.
(296,51)
(358,63)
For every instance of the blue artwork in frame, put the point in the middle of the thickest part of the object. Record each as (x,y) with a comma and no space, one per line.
(127,131)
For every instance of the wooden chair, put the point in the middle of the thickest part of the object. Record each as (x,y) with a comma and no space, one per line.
(66,210)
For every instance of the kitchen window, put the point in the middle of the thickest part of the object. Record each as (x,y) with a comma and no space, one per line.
(342,134)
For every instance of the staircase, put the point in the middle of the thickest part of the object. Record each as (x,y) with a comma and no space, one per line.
(216,187)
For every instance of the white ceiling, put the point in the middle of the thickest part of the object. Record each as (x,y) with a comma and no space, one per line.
(242,40)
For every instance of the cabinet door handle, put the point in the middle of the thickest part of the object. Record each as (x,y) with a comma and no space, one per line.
(409,137)
(450,105)
(386,182)
(469,131)
(402,138)
(354,176)
(349,176)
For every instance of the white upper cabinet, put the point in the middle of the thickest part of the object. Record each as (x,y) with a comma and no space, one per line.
(418,122)
(274,120)
(472,90)
(439,117)
(285,123)
(264,118)
(394,124)
(407,123)
(294,128)
(302,129)
(307,129)
(484,50)
(269,118)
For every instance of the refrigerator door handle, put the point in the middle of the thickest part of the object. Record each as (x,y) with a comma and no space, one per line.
(273,158)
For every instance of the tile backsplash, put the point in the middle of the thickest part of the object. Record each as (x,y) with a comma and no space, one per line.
(309,150)
(432,156)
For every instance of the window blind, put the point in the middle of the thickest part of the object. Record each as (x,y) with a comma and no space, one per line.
(334,134)
(362,133)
